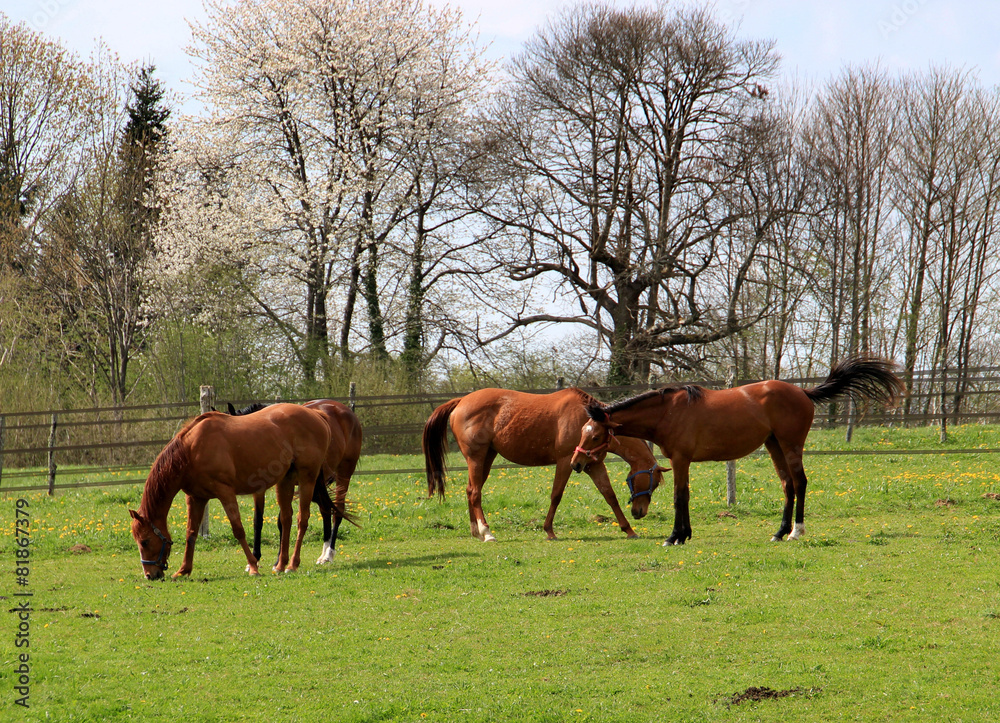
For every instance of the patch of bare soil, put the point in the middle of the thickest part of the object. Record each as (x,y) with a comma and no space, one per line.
(545,593)
(992,496)
(80,549)
(946,502)
(754,694)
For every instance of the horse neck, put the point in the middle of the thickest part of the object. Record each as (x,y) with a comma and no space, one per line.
(642,419)
(635,452)
(159,494)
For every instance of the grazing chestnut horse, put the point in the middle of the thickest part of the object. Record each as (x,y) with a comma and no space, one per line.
(341,460)
(692,424)
(533,430)
(219,456)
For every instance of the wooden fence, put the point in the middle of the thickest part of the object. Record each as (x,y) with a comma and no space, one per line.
(107,446)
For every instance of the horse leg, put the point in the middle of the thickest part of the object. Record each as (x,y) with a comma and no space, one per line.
(232,508)
(558,487)
(599,473)
(321,496)
(196,511)
(793,458)
(682,499)
(284,491)
(479,470)
(344,472)
(258,524)
(278,558)
(787,486)
(306,487)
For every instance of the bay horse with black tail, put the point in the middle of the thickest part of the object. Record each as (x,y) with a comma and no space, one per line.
(532,430)
(342,456)
(692,424)
(219,456)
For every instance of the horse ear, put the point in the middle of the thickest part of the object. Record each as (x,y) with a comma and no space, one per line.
(232,409)
(136,515)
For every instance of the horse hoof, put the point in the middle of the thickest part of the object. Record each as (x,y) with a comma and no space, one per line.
(775,538)
(488,537)
(633,536)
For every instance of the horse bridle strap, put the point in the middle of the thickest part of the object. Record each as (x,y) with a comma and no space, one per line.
(160,561)
(631,488)
(592,453)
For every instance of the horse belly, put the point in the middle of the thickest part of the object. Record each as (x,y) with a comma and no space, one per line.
(527,450)
(726,441)
(525,440)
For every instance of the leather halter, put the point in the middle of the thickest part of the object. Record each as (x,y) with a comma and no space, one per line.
(161,561)
(592,453)
(631,489)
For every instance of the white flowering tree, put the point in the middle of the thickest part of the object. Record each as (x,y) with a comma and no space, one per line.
(309,176)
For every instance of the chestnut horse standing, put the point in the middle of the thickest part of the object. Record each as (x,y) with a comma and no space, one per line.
(341,460)
(219,456)
(692,424)
(533,430)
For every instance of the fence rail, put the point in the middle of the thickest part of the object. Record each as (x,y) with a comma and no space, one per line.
(104,441)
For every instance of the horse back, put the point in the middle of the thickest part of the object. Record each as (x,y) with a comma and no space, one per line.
(257,450)
(346,434)
(731,423)
(525,428)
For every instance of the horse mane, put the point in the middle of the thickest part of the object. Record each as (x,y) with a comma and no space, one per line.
(169,463)
(248,409)
(693,391)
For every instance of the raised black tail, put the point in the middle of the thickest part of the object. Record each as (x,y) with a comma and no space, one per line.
(861,378)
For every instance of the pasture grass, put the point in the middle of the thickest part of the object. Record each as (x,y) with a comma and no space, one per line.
(887,610)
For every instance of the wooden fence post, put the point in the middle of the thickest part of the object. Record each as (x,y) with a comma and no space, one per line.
(560,383)
(851,414)
(943,436)
(731,464)
(352,395)
(3,434)
(52,455)
(206,398)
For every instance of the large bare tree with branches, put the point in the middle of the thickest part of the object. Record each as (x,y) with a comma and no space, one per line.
(623,134)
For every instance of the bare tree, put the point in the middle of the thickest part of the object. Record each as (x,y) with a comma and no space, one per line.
(852,135)
(621,136)
(928,124)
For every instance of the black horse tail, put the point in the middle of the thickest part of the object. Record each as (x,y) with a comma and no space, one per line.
(435,443)
(861,378)
(321,496)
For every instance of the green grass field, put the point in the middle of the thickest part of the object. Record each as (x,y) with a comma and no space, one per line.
(887,610)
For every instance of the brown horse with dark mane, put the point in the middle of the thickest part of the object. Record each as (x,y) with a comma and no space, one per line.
(533,430)
(341,460)
(692,424)
(219,456)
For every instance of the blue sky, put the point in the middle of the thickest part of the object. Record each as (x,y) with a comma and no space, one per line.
(815,39)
